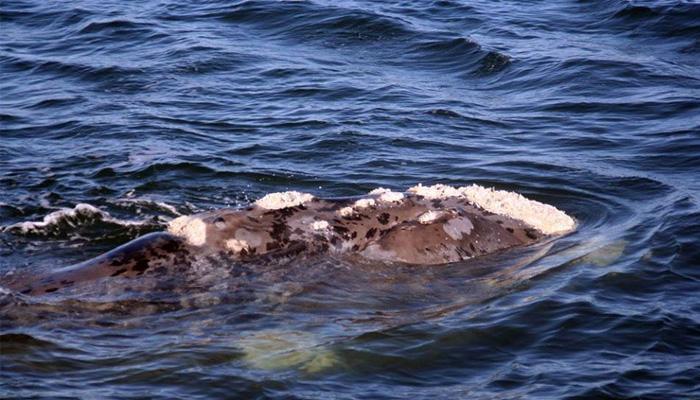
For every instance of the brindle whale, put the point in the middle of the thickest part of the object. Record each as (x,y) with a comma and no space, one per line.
(426,225)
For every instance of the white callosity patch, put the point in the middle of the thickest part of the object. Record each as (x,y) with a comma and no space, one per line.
(276,201)
(548,219)
(193,229)
(456,227)
(435,192)
(364,203)
(320,225)
(378,191)
(391,197)
(302,228)
(387,195)
(382,196)
(346,211)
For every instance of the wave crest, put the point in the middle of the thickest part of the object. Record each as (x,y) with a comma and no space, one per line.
(66,222)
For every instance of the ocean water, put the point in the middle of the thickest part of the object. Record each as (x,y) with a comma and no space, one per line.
(116,117)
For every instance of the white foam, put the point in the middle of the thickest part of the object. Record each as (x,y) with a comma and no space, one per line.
(276,201)
(149,203)
(69,216)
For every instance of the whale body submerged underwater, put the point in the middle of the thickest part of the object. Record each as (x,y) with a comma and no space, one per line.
(426,225)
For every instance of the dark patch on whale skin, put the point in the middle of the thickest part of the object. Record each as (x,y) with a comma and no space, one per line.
(370,233)
(129,260)
(279,231)
(140,266)
(383,218)
(340,229)
(532,233)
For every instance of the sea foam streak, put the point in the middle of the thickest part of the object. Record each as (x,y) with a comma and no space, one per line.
(81,214)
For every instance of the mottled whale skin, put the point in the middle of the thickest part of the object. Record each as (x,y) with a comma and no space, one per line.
(426,225)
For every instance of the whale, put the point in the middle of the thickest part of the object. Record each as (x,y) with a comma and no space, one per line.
(424,225)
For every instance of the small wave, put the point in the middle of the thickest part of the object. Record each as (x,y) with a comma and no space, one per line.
(63,67)
(669,20)
(56,102)
(308,21)
(453,53)
(492,62)
(24,341)
(111,25)
(63,222)
(39,17)
(116,77)
(456,54)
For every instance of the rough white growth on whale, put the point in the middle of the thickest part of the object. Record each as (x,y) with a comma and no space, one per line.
(387,195)
(544,217)
(194,230)
(390,197)
(438,191)
(320,225)
(548,219)
(364,203)
(379,191)
(276,201)
(345,211)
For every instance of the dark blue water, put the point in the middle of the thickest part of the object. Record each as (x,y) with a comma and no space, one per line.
(148,110)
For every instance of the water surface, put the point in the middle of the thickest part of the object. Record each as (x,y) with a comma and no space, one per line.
(150,110)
